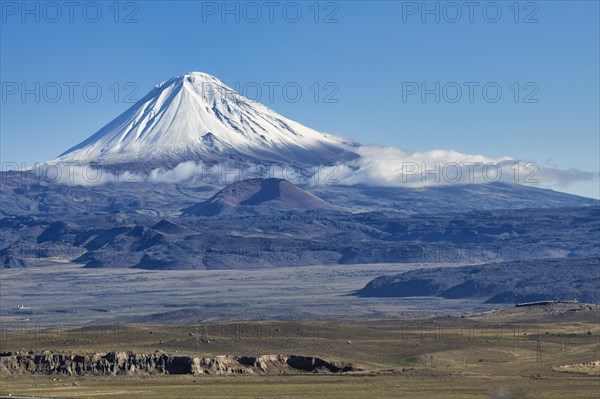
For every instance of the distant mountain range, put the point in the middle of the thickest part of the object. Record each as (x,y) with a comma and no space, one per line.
(263,223)
(25,194)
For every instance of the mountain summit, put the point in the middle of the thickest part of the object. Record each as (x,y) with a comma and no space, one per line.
(196,117)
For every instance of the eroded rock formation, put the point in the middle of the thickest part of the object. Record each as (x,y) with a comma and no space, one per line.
(127,363)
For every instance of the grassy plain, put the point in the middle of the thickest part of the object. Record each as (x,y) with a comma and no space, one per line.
(512,353)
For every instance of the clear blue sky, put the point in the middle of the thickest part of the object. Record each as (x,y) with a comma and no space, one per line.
(368,49)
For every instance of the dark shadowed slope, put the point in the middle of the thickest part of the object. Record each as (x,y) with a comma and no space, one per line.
(512,282)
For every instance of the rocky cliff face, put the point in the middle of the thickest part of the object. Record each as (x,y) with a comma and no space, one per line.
(130,363)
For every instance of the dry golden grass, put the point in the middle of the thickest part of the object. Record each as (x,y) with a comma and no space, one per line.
(494,355)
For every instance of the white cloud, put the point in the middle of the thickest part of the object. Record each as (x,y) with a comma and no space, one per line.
(376,166)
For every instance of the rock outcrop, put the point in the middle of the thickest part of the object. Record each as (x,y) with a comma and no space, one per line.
(130,363)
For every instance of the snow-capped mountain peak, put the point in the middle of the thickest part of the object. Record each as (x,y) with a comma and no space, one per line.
(197,117)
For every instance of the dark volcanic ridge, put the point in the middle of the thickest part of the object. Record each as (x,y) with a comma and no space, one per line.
(251,240)
(570,279)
